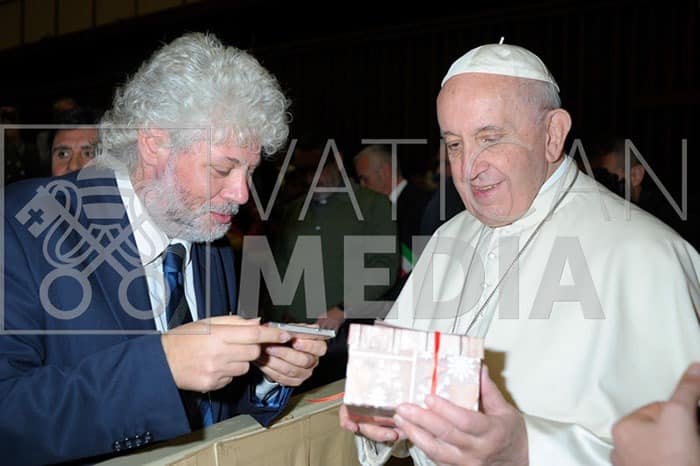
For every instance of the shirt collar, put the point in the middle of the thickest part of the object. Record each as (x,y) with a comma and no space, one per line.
(394,195)
(556,175)
(150,239)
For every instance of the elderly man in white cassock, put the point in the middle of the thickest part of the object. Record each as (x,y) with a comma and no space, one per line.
(588,305)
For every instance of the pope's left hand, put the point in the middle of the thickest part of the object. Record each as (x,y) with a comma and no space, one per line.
(291,365)
(451,435)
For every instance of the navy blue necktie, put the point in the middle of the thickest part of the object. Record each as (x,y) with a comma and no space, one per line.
(178,312)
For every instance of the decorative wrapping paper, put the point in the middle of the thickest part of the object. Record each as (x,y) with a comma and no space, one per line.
(389,365)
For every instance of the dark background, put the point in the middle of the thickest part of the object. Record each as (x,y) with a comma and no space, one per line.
(372,70)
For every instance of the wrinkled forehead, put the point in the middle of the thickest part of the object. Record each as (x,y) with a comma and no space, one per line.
(472,100)
(483,86)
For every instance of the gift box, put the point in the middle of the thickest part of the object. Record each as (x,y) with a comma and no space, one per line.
(389,365)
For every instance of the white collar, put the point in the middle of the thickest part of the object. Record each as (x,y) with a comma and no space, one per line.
(394,195)
(150,239)
(561,169)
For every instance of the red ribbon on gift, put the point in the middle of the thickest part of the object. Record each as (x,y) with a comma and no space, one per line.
(337,396)
(436,359)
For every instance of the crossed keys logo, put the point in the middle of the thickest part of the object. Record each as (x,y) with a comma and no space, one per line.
(75,250)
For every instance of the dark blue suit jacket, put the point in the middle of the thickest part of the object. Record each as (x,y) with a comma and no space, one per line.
(82,369)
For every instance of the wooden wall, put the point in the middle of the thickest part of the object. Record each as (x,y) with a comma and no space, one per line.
(626,68)
(28,21)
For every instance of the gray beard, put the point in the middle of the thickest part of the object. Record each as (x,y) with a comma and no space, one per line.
(165,202)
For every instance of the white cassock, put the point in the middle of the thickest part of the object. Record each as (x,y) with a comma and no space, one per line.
(598,316)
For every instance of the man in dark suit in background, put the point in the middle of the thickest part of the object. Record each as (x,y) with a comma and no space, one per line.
(102,265)
(376,171)
(608,164)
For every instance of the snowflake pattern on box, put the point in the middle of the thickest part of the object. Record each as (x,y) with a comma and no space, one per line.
(384,371)
(462,369)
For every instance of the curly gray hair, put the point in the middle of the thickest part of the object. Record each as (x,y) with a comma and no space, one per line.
(196,87)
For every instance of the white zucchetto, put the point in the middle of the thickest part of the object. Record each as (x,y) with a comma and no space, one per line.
(503,59)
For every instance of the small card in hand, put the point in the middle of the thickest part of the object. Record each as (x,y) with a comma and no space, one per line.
(301,331)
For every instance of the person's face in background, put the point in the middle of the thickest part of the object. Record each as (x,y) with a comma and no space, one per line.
(609,162)
(72,149)
(370,174)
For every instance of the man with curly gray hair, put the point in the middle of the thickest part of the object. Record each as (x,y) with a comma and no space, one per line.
(182,102)
(144,347)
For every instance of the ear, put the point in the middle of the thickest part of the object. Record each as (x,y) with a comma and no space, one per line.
(557,125)
(637,175)
(154,146)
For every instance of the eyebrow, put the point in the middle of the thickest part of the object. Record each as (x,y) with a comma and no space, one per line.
(236,160)
(489,128)
(480,129)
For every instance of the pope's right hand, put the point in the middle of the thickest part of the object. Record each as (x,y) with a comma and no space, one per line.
(207,354)
(371,431)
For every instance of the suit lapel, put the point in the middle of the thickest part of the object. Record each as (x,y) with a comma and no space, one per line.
(119,275)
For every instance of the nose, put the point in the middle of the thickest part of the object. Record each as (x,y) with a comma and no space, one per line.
(236,187)
(59,170)
(75,164)
(474,166)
